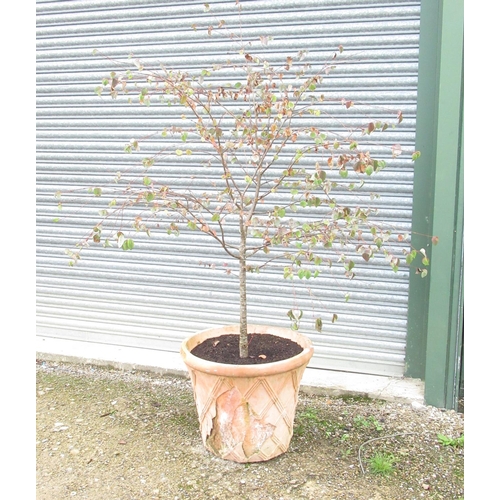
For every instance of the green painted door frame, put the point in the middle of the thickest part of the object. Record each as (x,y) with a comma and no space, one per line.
(435,320)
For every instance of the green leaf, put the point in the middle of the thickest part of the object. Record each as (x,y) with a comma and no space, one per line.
(298,155)
(295,314)
(128,244)
(318,324)
(411,256)
(148,162)
(304,273)
(146,181)
(395,264)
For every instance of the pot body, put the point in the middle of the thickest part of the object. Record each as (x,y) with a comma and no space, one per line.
(246,412)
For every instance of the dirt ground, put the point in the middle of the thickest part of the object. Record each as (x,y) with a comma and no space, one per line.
(106,434)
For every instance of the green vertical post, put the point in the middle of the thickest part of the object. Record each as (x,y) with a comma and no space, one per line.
(434,331)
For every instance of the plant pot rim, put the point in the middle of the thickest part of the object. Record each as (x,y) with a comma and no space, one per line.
(258,370)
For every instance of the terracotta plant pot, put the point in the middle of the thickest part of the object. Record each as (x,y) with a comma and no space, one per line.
(246,412)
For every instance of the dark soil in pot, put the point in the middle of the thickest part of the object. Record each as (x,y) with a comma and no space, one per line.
(262,348)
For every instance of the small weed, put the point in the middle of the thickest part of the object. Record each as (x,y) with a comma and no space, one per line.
(299,430)
(309,419)
(310,415)
(360,421)
(447,441)
(459,473)
(382,464)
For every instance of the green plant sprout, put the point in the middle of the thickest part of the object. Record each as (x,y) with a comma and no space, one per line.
(453,442)
(382,463)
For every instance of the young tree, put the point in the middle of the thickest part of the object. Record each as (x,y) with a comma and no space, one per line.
(251,133)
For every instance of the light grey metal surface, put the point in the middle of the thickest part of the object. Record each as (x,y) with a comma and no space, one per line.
(165,289)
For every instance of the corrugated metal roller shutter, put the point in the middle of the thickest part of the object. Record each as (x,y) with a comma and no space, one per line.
(163,290)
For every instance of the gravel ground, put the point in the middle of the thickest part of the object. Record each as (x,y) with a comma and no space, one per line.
(125,435)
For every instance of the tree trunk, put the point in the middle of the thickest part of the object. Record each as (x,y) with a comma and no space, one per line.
(243,293)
